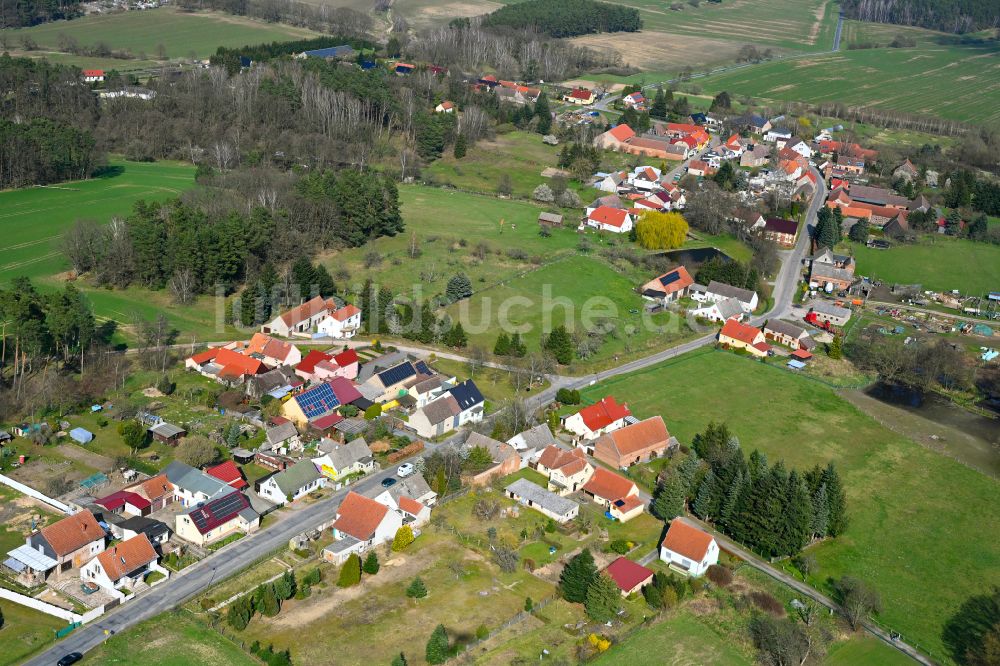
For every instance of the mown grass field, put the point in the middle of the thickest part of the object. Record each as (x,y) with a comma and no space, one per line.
(908,79)
(181,34)
(24,632)
(912,510)
(936,262)
(681,640)
(173,639)
(865,651)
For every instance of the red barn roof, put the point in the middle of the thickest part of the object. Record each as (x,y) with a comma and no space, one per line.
(604,413)
(229,473)
(628,574)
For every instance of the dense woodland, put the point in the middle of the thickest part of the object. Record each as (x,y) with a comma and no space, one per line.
(566,18)
(31,12)
(958,16)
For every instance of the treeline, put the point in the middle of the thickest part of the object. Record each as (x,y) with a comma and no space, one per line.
(958,16)
(230,58)
(966,190)
(42,151)
(566,18)
(24,13)
(920,368)
(196,249)
(774,511)
(322,18)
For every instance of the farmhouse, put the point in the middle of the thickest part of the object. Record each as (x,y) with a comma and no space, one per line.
(271,351)
(638,442)
(687,549)
(828,312)
(629,576)
(781,231)
(123,566)
(559,509)
(669,287)
(717,291)
(217,519)
(58,548)
(727,308)
(788,334)
(228,473)
(339,460)
(614,220)
(736,335)
(361,523)
(823,274)
(340,323)
(580,96)
(595,420)
(530,443)
(302,319)
(291,483)
(567,470)
(618,495)
(226,366)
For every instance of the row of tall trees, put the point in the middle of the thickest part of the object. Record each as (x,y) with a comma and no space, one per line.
(959,16)
(566,18)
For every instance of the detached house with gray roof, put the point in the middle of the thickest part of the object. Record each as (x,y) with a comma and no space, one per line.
(459,405)
(292,483)
(559,509)
(338,460)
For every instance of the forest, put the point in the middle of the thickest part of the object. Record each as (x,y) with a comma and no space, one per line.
(566,18)
(25,13)
(956,16)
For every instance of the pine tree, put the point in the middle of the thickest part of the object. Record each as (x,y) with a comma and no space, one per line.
(687,470)
(820,513)
(303,276)
(707,500)
(440,484)
(461,147)
(544,114)
(859,232)
(796,516)
(577,576)
(758,465)
(836,502)
(603,599)
(417,589)
(560,344)
(502,347)
(459,287)
(269,604)
(517,346)
(371,565)
(836,350)
(438,650)
(238,615)
(731,504)
(350,573)
(659,108)
(325,286)
(668,500)
(456,337)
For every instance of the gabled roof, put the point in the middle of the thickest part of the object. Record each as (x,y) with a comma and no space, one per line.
(359,516)
(500,451)
(556,457)
(310,308)
(127,556)
(671,281)
(269,347)
(781,226)
(784,328)
(622,132)
(219,511)
(467,395)
(71,533)
(292,479)
(308,364)
(603,413)
(346,358)
(118,499)
(144,525)
(232,363)
(608,485)
(581,94)
(739,331)
(536,438)
(154,488)
(193,480)
(229,473)
(440,410)
(409,505)
(541,497)
(728,290)
(729,307)
(687,541)
(281,433)
(346,312)
(344,455)
(638,436)
(627,574)
(613,217)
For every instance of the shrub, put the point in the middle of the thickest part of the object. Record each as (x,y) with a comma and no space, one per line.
(529,605)
(373,412)
(767,603)
(404,537)
(568,397)
(350,573)
(620,546)
(482,632)
(371,565)
(719,575)
(417,589)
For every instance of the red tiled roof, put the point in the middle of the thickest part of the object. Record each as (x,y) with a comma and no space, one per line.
(739,331)
(627,504)
(204,357)
(155,488)
(801,354)
(229,473)
(683,280)
(236,364)
(580,93)
(72,533)
(608,485)
(687,541)
(698,165)
(93,72)
(308,309)
(308,364)
(127,556)
(627,574)
(328,421)
(555,457)
(622,132)
(359,516)
(763,347)
(640,436)
(603,413)
(346,312)
(687,128)
(118,499)
(410,505)
(346,358)
(613,217)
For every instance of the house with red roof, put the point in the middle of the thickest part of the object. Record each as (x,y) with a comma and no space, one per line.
(125,502)
(580,96)
(360,524)
(781,231)
(699,168)
(319,366)
(121,567)
(737,335)
(619,496)
(687,549)
(629,576)
(341,323)
(594,420)
(272,351)
(614,220)
(645,178)
(615,138)
(302,319)
(93,75)
(567,469)
(635,443)
(669,287)
(446,106)
(225,365)
(229,473)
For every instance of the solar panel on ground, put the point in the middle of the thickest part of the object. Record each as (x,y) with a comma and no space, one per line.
(397,374)
(317,401)
(670,278)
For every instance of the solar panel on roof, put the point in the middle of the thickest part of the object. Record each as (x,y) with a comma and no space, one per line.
(422,368)
(217,510)
(397,374)
(318,401)
(670,278)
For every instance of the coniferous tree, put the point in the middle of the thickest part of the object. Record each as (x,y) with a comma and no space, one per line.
(517,346)
(269,604)
(836,350)
(659,107)
(350,573)
(438,649)
(417,589)
(820,513)
(836,501)
(577,576)
(668,500)
(456,337)
(603,599)
(796,515)
(461,147)
(560,344)
(399,660)
(687,470)
(731,504)
(544,114)
(708,499)
(459,287)
(502,347)
(758,465)
(371,565)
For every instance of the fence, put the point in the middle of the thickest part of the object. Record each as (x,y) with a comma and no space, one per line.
(42,606)
(31,492)
(516,619)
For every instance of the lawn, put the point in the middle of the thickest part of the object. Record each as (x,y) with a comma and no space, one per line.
(909,80)
(578,292)
(865,651)
(181,34)
(173,639)
(936,262)
(494,384)
(25,631)
(911,509)
(679,640)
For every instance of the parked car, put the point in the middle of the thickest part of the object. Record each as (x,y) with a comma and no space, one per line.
(69,659)
(405,470)
(388,481)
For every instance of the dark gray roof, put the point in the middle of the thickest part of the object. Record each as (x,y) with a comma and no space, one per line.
(467,395)
(784,328)
(537,438)
(830,309)
(194,480)
(345,455)
(729,307)
(728,290)
(499,450)
(824,270)
(549,501)
(165,429)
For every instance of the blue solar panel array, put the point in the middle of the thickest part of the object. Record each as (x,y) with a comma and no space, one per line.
(422,368)
(218,511)
(317,401)
(467,394)
(670,278)
(397,374)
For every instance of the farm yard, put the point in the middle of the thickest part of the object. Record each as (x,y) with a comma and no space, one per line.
(906,79)
(936,262)
(181,34)
(910,507)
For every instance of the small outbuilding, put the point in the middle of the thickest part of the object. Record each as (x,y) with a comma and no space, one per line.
(550,219)
(629,576)
(167,433)
(81,435)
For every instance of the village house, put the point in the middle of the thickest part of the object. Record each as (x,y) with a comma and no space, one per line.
(629,576)
(567,470)
(906,171)
(580,96)
(824,311)
(687,549)
(394,381)
(318,406)
(757,156)
(341,323)
(505,458)
(319,366)
(303,319)
(788,334)
(271,351)
(292,483)
(430,389)
(733,146)
(217,519)
(156,531)
(192,486)
(699,168)
(123,566)
(751,122)
(282,436)
(669,287)
(611,182)
(635,443)
(224,365)
(717,291)
(645,178)
(461,404)
(446,106)
(614,220)
(228,473)
(124,502)
(825,268)
(776,134)
(619,496)
(635,101)
(594,420)
(530,443)
(414,486)
(339,460)
(157,490)
(781,231)
(361,523)
(93,75)
(615,138)
(749,218)
(57,549)
(736,335)
(526,493)
(849,165)
(797,145)
(727,308)
(276,383)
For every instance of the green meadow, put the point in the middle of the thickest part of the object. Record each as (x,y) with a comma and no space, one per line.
(913,512)
(936,262)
